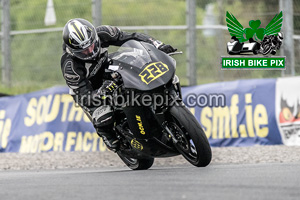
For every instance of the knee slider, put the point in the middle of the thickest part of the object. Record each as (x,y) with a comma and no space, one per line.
(103,117)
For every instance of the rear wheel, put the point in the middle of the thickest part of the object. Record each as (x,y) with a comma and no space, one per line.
(192,141)
(136,164)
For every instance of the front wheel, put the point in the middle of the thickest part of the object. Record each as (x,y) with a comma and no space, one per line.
(135,163)
(192,141)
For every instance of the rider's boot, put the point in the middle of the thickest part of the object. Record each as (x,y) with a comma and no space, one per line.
(109,138)
(273,52)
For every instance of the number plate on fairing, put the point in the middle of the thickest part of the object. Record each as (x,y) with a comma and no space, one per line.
(153,71)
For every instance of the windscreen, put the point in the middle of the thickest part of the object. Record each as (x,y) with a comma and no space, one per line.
(132,53)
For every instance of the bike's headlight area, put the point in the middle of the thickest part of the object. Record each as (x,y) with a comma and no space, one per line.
(175,79)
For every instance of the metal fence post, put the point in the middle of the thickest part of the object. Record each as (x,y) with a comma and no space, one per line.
(5,44)
(288,31)
(221,45)
(191,41)
(97,12)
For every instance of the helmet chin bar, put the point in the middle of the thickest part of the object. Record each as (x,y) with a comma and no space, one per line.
(72,52)
(92,57)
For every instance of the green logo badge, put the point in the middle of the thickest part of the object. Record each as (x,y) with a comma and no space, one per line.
(254,41)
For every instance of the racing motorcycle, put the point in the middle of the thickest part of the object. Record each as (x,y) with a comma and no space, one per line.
(270,44)
(161,128)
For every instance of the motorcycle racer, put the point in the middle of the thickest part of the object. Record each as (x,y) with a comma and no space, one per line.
(271,43)
(83,65)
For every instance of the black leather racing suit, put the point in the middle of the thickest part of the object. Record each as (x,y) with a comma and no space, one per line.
(85,77)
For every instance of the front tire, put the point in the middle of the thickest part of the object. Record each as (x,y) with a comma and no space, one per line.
(192,141)
(136,164)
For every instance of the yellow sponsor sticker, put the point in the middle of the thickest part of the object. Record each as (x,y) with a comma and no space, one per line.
(140,124)
(137,145)
(153,71)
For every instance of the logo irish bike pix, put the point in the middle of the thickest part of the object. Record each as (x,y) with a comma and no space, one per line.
(254,47)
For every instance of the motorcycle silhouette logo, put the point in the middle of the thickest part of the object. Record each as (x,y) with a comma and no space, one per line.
(261,40)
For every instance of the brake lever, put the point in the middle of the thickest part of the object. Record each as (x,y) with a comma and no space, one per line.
(175,53)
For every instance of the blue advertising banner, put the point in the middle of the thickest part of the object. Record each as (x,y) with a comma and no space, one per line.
(46,120)
(237,113)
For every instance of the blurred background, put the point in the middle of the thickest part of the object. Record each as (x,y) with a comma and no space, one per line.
(31,35)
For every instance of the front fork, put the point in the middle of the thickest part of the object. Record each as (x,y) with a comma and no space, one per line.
(176,95)
(177,86)
(169,132)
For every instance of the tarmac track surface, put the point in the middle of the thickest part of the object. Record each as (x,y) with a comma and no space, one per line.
(217,181)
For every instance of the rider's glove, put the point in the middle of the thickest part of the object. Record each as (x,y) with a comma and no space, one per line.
(164,47)
(167,48)
(107,89)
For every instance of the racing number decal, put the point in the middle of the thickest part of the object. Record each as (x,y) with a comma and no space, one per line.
(153,71)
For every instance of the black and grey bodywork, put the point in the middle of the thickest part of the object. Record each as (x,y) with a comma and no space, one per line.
(152,130)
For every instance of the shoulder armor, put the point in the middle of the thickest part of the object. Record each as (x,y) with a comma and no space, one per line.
(108,33)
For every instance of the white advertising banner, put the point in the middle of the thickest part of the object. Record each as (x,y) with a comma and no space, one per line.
(287,106)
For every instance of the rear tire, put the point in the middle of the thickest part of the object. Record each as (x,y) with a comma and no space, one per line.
(193,144)
(136,164)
